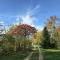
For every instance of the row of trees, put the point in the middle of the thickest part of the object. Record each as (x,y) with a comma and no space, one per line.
(51,33)
(24,36)
(18,37)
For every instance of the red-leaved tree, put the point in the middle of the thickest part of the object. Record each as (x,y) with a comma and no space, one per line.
(23,30)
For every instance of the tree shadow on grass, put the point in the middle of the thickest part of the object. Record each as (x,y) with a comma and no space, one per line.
(51,55)
(16,56)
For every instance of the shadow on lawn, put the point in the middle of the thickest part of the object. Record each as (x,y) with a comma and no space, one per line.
(20,55)
(51,54)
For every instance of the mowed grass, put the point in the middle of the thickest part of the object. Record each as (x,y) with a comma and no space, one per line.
(15,56)
(51,54)
(35,55)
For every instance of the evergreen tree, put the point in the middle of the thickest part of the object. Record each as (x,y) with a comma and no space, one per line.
(46,38)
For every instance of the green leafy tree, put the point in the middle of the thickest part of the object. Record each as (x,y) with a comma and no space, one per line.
(9,42)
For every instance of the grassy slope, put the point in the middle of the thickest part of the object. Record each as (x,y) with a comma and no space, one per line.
(50,54)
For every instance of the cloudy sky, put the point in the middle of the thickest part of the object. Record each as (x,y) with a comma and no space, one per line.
(32,12)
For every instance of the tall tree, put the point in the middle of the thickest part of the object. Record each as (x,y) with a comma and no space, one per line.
(51,26)
(46,38)
(57,37)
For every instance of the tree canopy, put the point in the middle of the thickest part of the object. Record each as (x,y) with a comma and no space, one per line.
(23,30)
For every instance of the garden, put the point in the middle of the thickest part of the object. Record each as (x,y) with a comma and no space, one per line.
(24,42)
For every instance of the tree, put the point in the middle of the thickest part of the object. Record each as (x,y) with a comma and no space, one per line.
(37,38)
(57,37)
(46,38)
(9,42)
(53,27)
(22,32)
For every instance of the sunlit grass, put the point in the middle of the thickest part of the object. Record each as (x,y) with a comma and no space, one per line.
(35,55)
(51,54)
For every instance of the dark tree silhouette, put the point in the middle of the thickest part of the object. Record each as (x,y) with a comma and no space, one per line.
(46,38)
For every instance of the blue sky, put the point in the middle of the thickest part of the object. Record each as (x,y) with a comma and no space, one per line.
(32,12)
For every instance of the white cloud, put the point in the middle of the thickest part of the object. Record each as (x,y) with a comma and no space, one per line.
(33,10)
(29,18)
(39,28)
(17,19)
(36,7)
(1,22)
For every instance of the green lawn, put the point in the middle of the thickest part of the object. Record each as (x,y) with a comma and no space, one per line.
(35,55)
(15,56)
(50,54)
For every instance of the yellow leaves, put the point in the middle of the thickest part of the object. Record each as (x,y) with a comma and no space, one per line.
(58,32)
(37,38)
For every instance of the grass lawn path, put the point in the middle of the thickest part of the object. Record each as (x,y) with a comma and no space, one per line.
(29,56)
(40,54)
